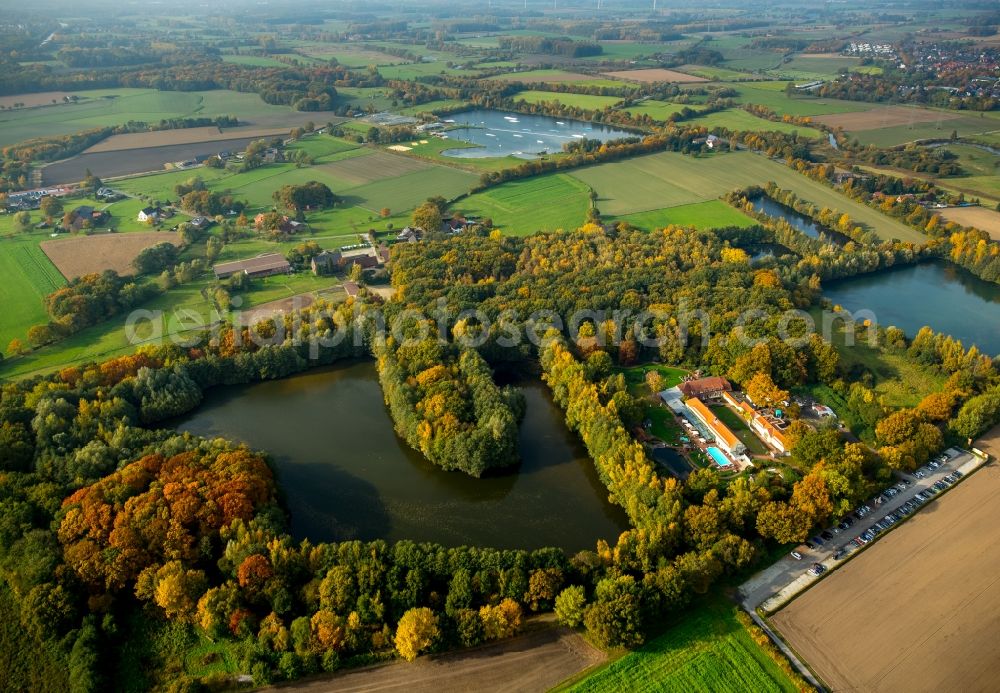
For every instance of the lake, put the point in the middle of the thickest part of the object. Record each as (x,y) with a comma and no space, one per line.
(500,133)
(346,475)
(948,298)
(799,221)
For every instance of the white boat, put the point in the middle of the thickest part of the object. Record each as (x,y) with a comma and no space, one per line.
(449,120)
(580,136)
(490,134)
(540,141)
(559,122)
(516,135)
(511,119)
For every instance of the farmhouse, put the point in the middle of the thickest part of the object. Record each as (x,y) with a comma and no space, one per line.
(84,215)
(327,262)
(147,214)
(200,223)
(261,266)
(712,141)
(705,388)
(351,288)
(724,437)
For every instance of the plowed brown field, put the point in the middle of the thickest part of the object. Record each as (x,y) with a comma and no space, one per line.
(115,251)
(920,610)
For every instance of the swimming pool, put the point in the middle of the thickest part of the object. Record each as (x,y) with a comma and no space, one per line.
(718,457)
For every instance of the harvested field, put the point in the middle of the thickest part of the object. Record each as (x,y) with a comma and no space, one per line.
(130,161)
(883,117)
(533,662)
(655,74)
(982,218)
(44,98)
(362,170)
(165,138)
(920,610)
(81,255)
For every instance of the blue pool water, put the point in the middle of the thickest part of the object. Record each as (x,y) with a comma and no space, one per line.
(716,454)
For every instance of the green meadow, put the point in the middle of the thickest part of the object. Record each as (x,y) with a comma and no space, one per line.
(522,207)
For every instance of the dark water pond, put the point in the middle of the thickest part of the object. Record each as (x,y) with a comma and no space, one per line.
(799,221)
(346,474)
(948,298)
(501,133)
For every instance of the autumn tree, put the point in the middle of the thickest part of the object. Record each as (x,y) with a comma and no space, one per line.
(764,393)
(570,605)
(427,217)
(417,632)
(502,620)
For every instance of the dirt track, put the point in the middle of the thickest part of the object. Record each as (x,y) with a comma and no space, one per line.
(919,611)
(532,662)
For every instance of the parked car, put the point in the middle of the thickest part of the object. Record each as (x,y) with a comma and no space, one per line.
(840,554)
(827,535)
(796,555)
(809,545)
(818,540)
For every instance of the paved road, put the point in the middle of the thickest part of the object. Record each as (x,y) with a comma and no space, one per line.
(789,575)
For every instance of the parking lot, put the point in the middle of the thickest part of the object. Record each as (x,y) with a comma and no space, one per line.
(775,585)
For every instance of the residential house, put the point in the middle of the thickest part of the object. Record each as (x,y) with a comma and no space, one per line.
(351,289)
(147,214)
(712,141)
(200,223)
(86,216)
(409,234)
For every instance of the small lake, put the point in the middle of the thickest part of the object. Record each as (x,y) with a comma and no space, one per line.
(948,298)
(346,475)
(799,221)
(500,133)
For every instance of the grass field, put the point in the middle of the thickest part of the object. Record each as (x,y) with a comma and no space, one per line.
(587,101)
(521,207)
(661,110)
(772,95)
(928,124)
(253,60)
(100,107)
(670,179)
(707,649)
(28,277)
(712,214)
(713,73)
(740,120)
(543,76)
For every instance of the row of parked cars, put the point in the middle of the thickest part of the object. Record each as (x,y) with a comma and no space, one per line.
(890,519)
(933,464)
(907,508)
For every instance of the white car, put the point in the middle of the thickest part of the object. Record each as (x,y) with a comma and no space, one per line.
(796,555)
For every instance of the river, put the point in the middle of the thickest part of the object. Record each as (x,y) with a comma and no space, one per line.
(502,133)
(944,296)
(346,475)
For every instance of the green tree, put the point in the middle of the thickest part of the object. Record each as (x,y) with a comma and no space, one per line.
(570,605)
